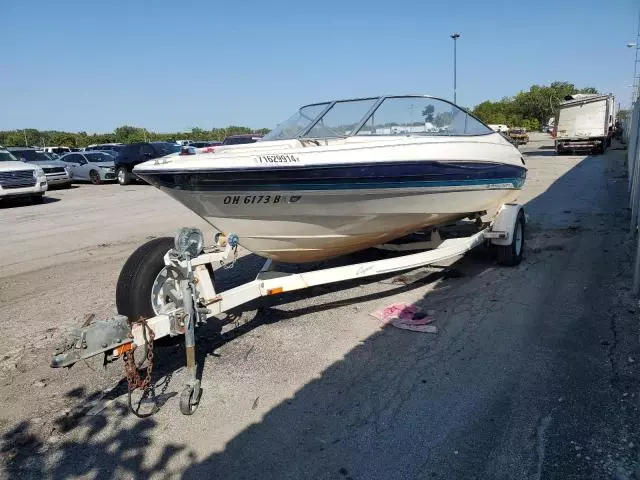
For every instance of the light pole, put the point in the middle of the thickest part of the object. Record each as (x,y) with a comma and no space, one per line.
(455,37)
(635,45)
(634,93)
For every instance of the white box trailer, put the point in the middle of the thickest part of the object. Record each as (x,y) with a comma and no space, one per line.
(584,122)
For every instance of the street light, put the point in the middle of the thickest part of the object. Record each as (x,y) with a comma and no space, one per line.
(635,70)
(635,45)
(455,37)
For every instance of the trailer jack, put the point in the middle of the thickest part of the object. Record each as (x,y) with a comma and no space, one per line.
(120,336)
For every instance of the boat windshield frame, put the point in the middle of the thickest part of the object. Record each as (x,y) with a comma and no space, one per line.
(379,100)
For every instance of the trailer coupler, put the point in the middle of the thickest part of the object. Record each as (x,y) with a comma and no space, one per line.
(100,336)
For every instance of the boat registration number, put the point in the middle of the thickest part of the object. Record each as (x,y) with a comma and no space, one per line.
(259,199)
(276,159)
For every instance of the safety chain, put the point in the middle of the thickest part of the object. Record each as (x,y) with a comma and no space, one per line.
(132,371)
(228,266)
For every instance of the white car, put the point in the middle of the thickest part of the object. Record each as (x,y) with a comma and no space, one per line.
(20,179)
(498,127)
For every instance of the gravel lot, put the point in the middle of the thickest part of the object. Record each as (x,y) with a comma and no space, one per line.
(533,373)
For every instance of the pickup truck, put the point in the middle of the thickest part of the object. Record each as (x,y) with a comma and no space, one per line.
(20,179)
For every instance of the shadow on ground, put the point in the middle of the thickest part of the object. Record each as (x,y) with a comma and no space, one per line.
(506,372)
(21,202)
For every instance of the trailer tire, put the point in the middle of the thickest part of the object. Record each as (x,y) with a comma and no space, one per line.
(603,148)
(511,255)
(133,290)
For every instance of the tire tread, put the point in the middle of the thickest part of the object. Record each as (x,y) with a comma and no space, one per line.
(133,290)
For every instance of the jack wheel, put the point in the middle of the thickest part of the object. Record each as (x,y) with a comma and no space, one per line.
(190,398)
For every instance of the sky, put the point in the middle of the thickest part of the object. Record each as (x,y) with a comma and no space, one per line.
(173,65)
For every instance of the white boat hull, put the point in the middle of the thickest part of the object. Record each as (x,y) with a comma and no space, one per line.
(305,226)
(307,200)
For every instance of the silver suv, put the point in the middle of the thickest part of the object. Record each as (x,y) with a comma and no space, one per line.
(20,179)
(57,172)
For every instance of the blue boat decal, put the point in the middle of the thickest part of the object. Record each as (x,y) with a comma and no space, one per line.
(344,177)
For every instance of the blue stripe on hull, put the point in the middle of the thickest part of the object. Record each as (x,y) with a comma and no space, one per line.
(345,177)
(515,183)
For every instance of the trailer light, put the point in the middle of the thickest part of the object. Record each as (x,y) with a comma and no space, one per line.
(189,240)
(127,347)
(275,291)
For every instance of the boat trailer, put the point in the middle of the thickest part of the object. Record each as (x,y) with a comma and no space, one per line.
(195,299)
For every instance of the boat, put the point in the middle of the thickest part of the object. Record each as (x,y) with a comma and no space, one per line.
(345,175)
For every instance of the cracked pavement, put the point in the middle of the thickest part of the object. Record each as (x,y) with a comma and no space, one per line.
(533,373)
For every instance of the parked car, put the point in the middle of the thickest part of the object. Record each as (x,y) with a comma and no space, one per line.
(58,150)
(132,154)
(20,179)
(241,139)
(205,144)
(199,147)
(519,135)
(103,147)
(513,141)
(94,166)
(498,127)
(57,173)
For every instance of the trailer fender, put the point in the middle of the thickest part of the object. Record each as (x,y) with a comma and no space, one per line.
(503,225)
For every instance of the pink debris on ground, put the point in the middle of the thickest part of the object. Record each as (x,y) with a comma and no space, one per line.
(406,317)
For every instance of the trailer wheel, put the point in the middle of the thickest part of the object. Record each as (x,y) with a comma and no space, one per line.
(140,278)
(511,255)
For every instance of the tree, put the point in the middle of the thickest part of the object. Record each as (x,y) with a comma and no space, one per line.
(124,134)
(129,134)
(533,107)
(624,116)
(427,113)
(443,119)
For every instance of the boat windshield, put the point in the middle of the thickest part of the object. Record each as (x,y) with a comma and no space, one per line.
(421,116)
(393,116)
(297,124)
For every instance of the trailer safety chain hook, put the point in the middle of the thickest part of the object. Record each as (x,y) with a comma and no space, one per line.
(132,372)
(234,241)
